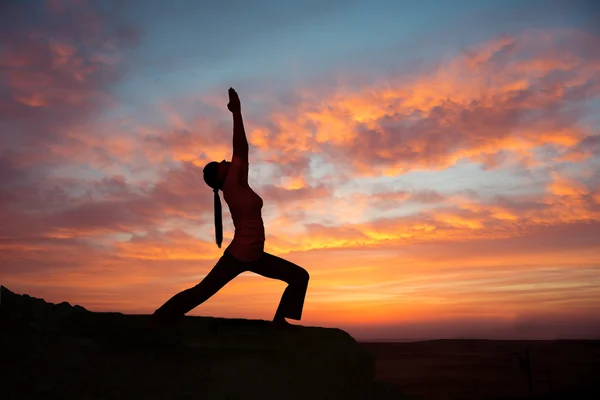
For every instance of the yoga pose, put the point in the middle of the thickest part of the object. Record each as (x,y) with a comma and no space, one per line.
(246,250)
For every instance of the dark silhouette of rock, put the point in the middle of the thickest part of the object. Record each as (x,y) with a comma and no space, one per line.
(35,314)
(59,351)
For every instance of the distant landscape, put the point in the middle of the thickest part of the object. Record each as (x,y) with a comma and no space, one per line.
(490,369)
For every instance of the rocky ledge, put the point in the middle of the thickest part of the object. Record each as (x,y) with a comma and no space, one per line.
(62,351)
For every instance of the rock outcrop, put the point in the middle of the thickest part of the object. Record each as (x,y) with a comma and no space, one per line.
(60,351)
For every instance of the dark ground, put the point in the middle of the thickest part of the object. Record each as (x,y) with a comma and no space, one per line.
(62,351)
(490,369)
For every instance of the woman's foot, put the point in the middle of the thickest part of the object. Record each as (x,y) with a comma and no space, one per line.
(283,324)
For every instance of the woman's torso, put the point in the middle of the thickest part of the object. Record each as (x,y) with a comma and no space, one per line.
(245,207)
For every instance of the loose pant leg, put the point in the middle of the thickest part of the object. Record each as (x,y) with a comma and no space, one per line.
(292,301)
(224,271)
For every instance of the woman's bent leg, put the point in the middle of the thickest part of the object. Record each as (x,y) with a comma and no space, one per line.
(292,301)
(224,271)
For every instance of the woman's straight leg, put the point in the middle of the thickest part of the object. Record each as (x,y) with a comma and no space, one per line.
(292,300)
(224,271)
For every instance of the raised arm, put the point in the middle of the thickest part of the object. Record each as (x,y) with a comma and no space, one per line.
(240,143)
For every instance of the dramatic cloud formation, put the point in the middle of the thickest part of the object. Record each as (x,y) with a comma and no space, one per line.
(453,195)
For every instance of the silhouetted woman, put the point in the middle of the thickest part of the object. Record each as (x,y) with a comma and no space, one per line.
(246,250)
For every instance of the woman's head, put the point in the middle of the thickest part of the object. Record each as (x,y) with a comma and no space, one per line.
(214,176)
(215,173)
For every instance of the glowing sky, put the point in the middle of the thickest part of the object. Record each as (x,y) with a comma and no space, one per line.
(435,166)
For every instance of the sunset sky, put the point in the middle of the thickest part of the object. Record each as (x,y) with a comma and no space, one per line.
(434,165)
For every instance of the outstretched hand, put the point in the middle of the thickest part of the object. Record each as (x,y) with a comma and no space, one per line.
(234,104)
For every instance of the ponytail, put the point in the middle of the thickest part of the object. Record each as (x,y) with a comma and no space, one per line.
(211,177)
(218,218)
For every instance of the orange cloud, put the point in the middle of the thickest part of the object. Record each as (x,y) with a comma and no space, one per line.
(492,98)
(172,245)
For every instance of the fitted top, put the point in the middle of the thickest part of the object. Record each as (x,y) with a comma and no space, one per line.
(245,207)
